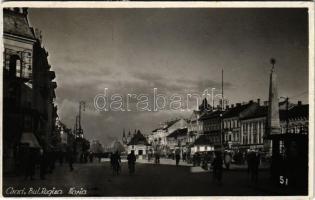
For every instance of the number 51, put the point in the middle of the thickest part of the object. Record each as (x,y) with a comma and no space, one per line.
(284,180)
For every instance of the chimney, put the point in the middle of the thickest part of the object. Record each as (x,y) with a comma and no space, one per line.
(258,101)
(232,106)
(251,101)
(25,11)
(299,103)
(265,103)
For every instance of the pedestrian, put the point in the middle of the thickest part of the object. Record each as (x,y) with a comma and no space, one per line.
(157,158)
(249,160)
(91,157)
(177,158)
(227,160)
(111,157)
(29,162)
(198,159)
(255,166)
(116,162)
(60,157)
(43,164)
(217,167)
(131,162)
(70,158)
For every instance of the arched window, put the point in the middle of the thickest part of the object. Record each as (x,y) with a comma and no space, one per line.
(15,66)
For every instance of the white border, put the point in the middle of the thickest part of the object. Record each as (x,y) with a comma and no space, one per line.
(93,4)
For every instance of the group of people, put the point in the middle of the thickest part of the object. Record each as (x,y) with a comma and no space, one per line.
(253,162)
(115,162)
(30,158)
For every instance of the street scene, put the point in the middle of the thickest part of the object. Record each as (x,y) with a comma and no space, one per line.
(155,102)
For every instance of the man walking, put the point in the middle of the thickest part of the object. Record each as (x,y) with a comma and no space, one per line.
(131,162)
(70,158)
(177,158)
(227,160)
(217,167)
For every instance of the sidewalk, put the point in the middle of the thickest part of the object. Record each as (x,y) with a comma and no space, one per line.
(164,161)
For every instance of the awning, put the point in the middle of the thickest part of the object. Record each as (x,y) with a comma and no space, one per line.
(29,138)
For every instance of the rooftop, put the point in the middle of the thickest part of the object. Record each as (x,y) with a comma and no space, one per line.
(138,139)
(16,24)
(235,111)
(178,133)
(202,140)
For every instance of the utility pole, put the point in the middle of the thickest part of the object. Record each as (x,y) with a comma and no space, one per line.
(287,114)
(222,93)
(221,115)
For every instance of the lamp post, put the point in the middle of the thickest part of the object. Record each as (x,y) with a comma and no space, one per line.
(221,131)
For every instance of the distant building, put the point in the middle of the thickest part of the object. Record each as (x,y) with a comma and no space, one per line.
(96,147)
(201,144)
(158,137)
(194,126)
(178,139)
(139,145)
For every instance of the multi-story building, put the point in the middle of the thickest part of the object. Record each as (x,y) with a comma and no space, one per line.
(194,126)
(253,129)
(44,94)
(212,127)
(158,136)
(177,139)
(18,40)
(231,122)
(29,113)
(253,126)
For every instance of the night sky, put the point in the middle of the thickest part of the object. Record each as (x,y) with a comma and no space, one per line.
(174,50)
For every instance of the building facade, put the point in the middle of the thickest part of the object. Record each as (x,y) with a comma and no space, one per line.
(232,125)
(253,127)
(212,127)
(158,137)
(29,113)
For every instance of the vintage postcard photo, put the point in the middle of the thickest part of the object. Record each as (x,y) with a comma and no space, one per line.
(157,101)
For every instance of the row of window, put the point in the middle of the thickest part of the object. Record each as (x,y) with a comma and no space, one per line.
(232,137)
(229,124)
(253,138)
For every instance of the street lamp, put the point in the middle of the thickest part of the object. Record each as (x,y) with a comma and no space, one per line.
(221,130)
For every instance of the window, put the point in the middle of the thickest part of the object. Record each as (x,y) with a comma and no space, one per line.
(18,68)
(249,139)
(15,66)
